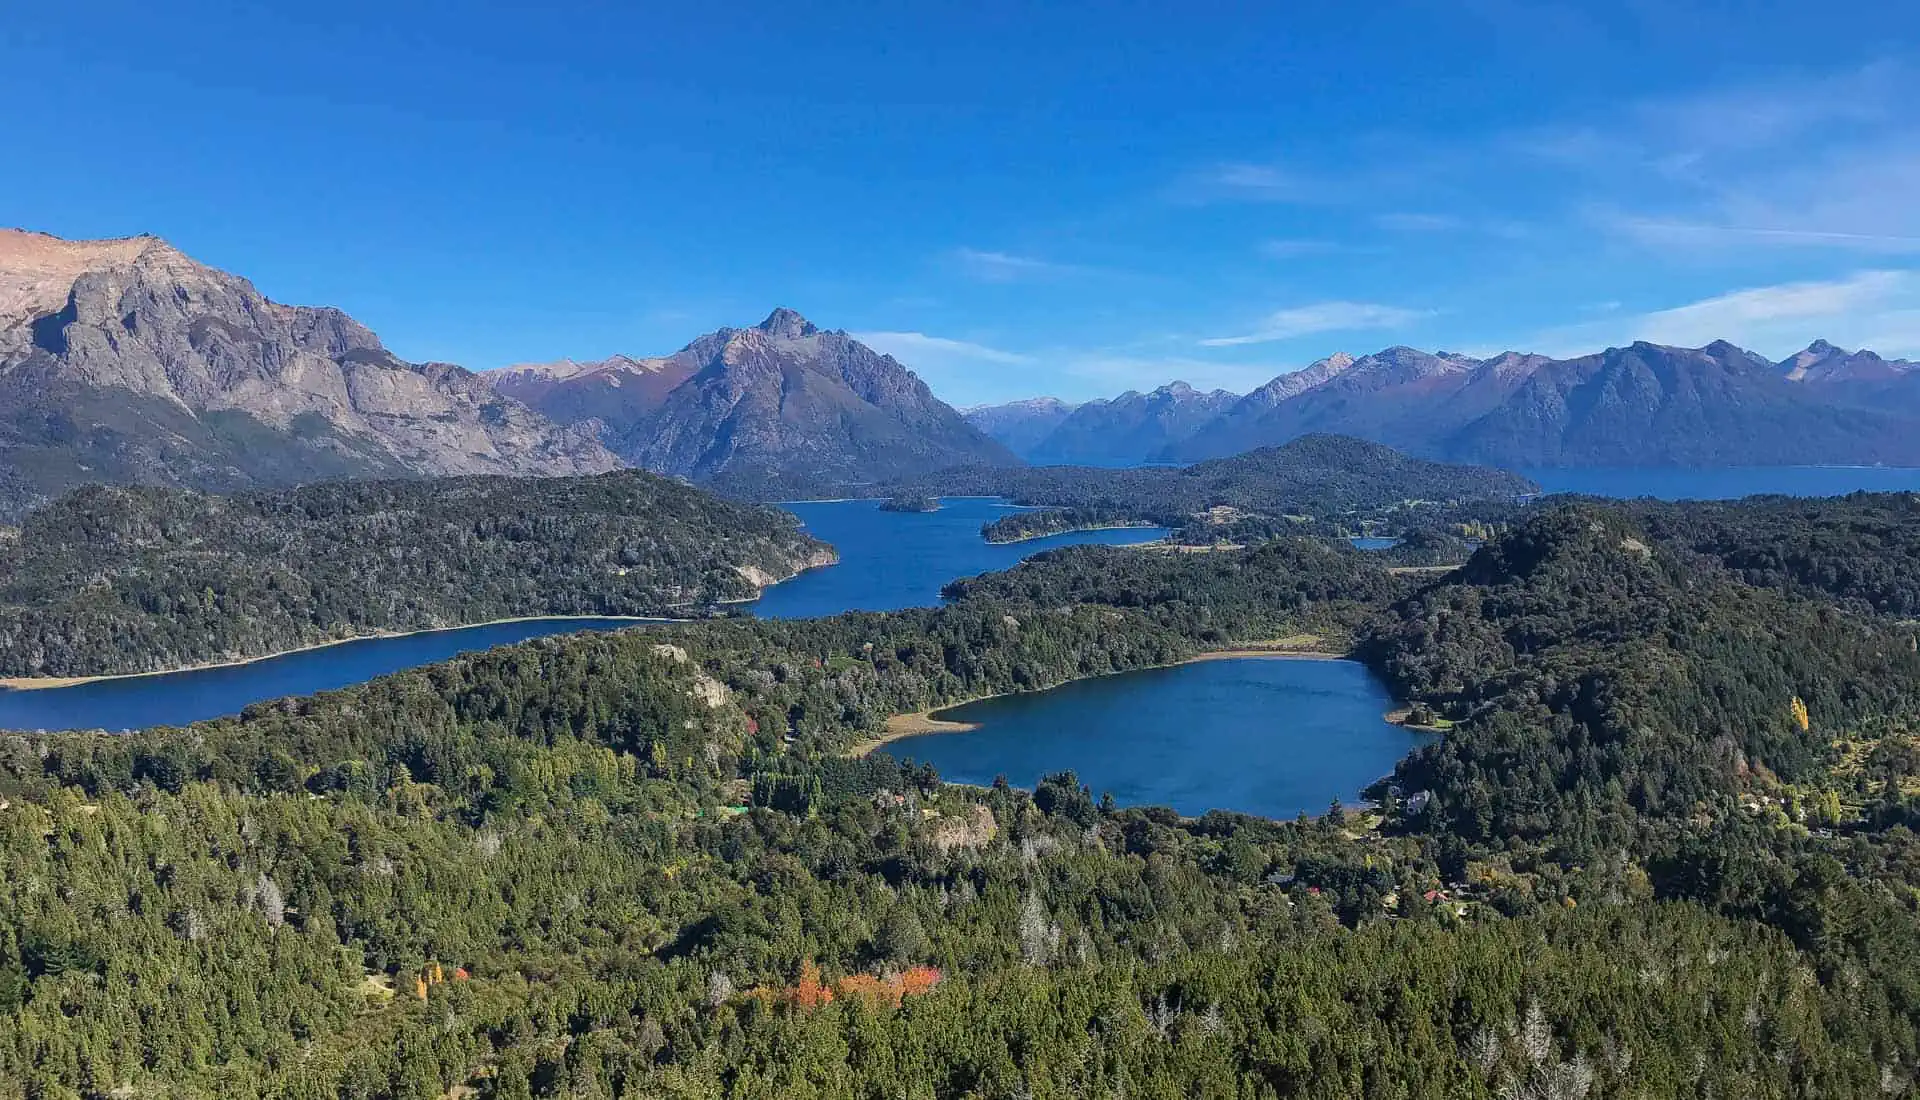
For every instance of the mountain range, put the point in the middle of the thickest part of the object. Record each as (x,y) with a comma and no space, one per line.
(1642,405)
(126,361)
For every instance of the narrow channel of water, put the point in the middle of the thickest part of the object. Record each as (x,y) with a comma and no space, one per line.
(888,560)
(176,698)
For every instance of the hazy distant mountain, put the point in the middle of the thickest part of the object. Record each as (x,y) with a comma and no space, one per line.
(1645,405)
(1649,405)
(778,409)
(1020,425)
(1823,364)
(1856,379)
(1388,396)
(1239,429)
(1131,428)
(125,361)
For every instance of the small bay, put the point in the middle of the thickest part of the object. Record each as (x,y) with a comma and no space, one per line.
(1260,735)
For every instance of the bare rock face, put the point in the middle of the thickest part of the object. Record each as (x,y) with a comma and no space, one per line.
(127,361)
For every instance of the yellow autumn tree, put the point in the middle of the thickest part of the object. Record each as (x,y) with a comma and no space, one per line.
(1798,708)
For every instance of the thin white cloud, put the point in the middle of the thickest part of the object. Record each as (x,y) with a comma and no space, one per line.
(1650,231)
(1812,164)
(1320,317)
(1872,309)
(1415,222)
(1760,314)
(961,372)
(911,346)
(1249,182)
(1006,267)
(1288,249)
(1293,248)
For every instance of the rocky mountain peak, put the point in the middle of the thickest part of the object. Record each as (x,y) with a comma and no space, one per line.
(38,270)
(787,324)
(195,378)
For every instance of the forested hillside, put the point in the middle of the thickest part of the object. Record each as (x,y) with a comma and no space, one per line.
(1660,849)
(1862,549)
(112,580)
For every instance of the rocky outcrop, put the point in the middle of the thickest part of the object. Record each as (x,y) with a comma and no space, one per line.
(127,361)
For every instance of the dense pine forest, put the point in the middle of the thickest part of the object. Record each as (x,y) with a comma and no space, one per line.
(1661,848)
(111,580)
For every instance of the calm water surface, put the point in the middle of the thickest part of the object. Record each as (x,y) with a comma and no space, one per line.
(1728,483)
(889,560)
(1266,736)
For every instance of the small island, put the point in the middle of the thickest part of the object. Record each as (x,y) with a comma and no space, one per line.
(1021,526)
(910,502)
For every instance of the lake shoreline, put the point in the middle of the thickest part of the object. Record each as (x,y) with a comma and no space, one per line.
(45,683)
(898,727)
(1035,537)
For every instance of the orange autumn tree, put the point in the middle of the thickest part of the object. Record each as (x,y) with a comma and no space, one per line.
(810,991)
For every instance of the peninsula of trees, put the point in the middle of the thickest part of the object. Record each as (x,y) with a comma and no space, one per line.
(111,580)
(1313,485)
(1020,526)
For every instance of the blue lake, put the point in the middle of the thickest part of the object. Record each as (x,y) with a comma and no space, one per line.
(1268,736)
(1726,483)
(889,560)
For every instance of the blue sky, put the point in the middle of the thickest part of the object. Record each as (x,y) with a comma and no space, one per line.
(1013,198)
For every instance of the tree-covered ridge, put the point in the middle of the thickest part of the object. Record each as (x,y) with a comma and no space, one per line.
(1315,588)
(1597,676)
(526,872)
(112,580)
(1327,483)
